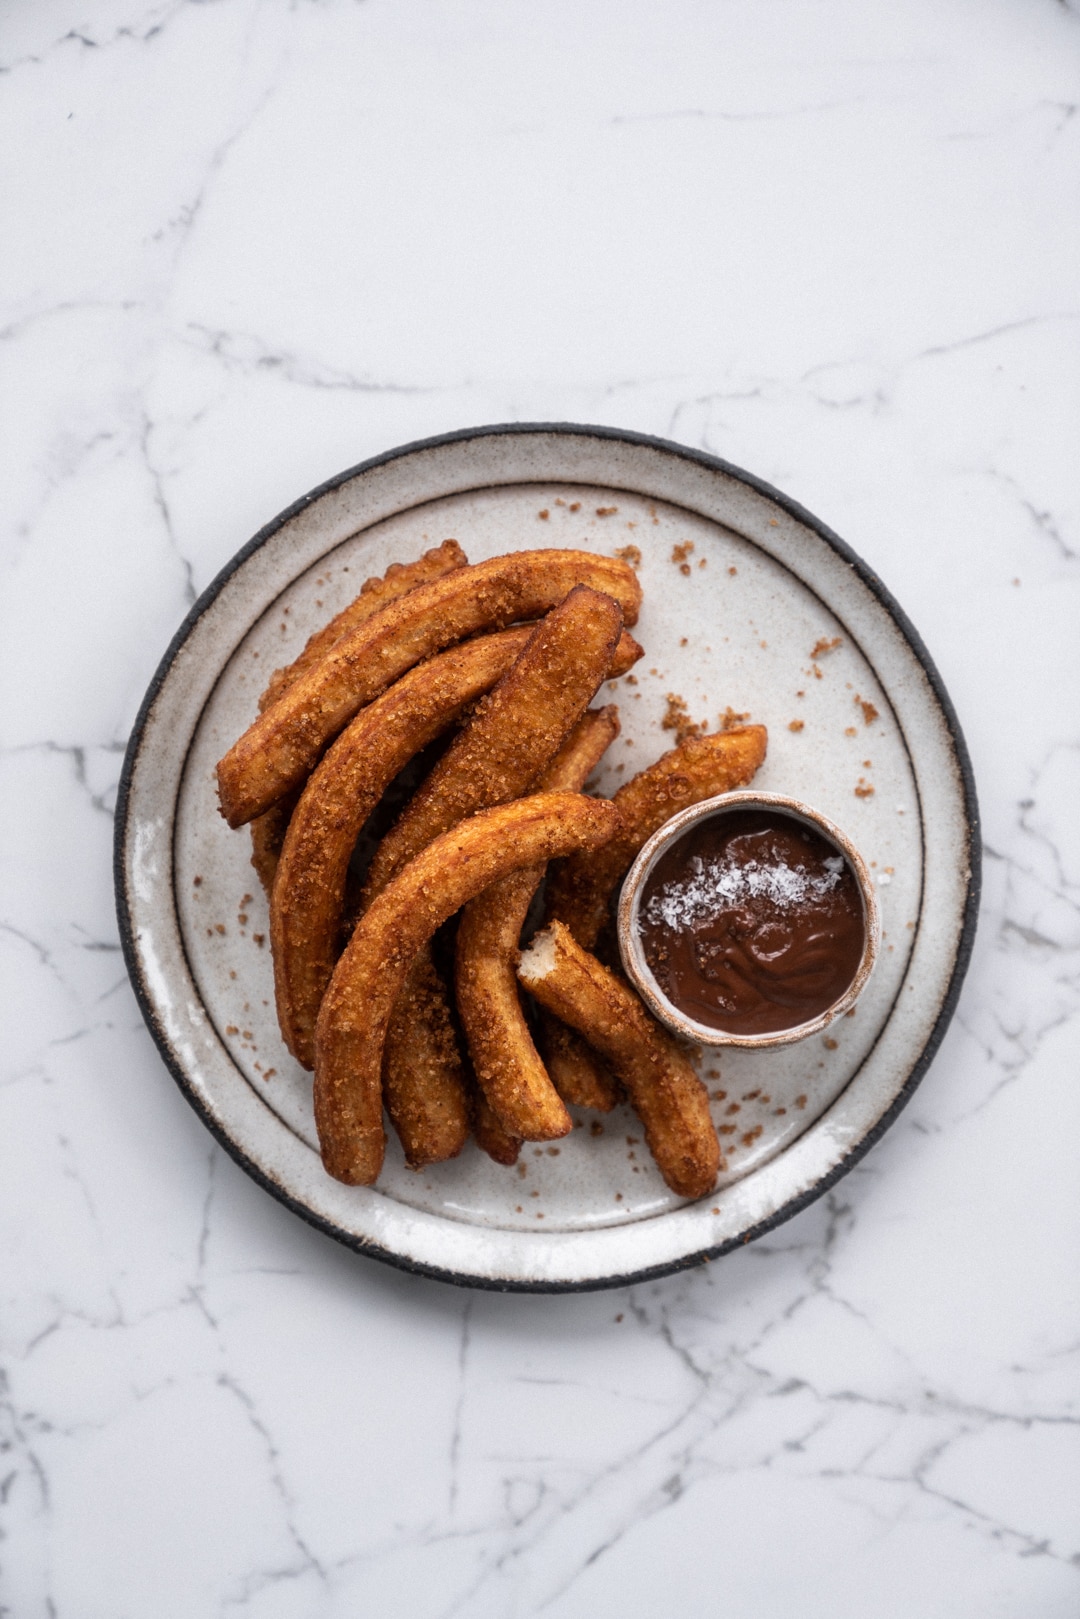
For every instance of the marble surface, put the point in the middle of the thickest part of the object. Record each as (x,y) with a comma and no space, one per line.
(246,245)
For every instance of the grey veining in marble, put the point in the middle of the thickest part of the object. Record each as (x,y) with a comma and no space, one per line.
(246,246)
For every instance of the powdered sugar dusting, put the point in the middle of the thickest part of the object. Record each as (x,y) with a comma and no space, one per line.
(716,884)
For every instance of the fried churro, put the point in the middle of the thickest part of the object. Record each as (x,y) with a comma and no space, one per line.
(284,744)
(268,830)
(666,1093)
(495,757)
(309,890)
(375,594)
(580,892)
(510,1073)
(359,1002)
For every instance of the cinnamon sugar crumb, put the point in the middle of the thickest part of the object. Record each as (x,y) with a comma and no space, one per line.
(545,514)
(869,712)
(730,720)
(823,646)
(733,572)
(606,511)
(679,554)
(850,730)
(800,1101)
(631,554)
(678,720)
(864,789)
(574,506)
(829,1043)
(796,725)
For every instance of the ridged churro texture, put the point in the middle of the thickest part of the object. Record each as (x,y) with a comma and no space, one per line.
(508,1068)
(356,1010)
(515,732)
(496,756)
(309,889)
(375,594)
(268,830)
(666,1094)
(284,744)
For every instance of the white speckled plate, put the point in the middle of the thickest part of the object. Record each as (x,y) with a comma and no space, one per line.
(763,611)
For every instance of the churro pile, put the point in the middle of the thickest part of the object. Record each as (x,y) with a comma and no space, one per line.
(500,660)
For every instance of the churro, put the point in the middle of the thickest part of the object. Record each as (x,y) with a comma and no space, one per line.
(510,1073)
(666,1093)
(284,744)
(359,1002)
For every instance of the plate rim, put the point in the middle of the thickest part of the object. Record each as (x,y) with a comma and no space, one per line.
(965,942)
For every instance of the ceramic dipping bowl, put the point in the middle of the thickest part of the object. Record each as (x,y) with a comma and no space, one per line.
(630,944)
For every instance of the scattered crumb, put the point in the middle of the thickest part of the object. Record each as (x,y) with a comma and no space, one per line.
(703,562)
(270,1072)
(618,1197)
(751,1135)
(678,720)
(823,646)
(726,1130)
(259,938)
(230,1028)
(219,927)
(869,712)
(631,554)
(829,1043)
(559,501)
(778,1112)
(518,1209)
(800,694)
(633,1141)
(606,511)
(553,1152)
(679,554)
(730,720)
(631,680)
(733,1107)
(683,641)
(733,572)
(714,1211)
(596,1128)
(864,789)
(545,514)
(796,725)
(751,1096)
(867,764)
(800,1101)
(523,1170)
(849,730)
(618,1317)
(719,1096)
(242,919)
(196,881)
(574,506)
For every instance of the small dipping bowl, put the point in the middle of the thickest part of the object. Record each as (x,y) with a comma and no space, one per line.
(778,808)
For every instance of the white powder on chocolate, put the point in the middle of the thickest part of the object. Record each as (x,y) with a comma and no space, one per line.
(716,885)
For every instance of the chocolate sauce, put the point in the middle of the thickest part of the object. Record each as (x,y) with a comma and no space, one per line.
(752,922)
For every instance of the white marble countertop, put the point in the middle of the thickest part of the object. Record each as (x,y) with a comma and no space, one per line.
(246,245)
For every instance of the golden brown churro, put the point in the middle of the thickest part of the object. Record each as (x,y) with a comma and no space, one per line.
(495,757)
(309,892)
(359,1002)
(667,1095)
(508,1068)
(580,892)
(283,745)
(268,830)
(375,594)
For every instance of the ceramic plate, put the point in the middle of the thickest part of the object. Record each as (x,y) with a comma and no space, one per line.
(752,607)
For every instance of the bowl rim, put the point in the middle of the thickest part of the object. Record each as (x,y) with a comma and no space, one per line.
(633,956)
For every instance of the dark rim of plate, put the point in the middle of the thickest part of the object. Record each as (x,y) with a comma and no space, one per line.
(960,964)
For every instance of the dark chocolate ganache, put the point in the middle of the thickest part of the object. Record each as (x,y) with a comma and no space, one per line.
(752,923)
